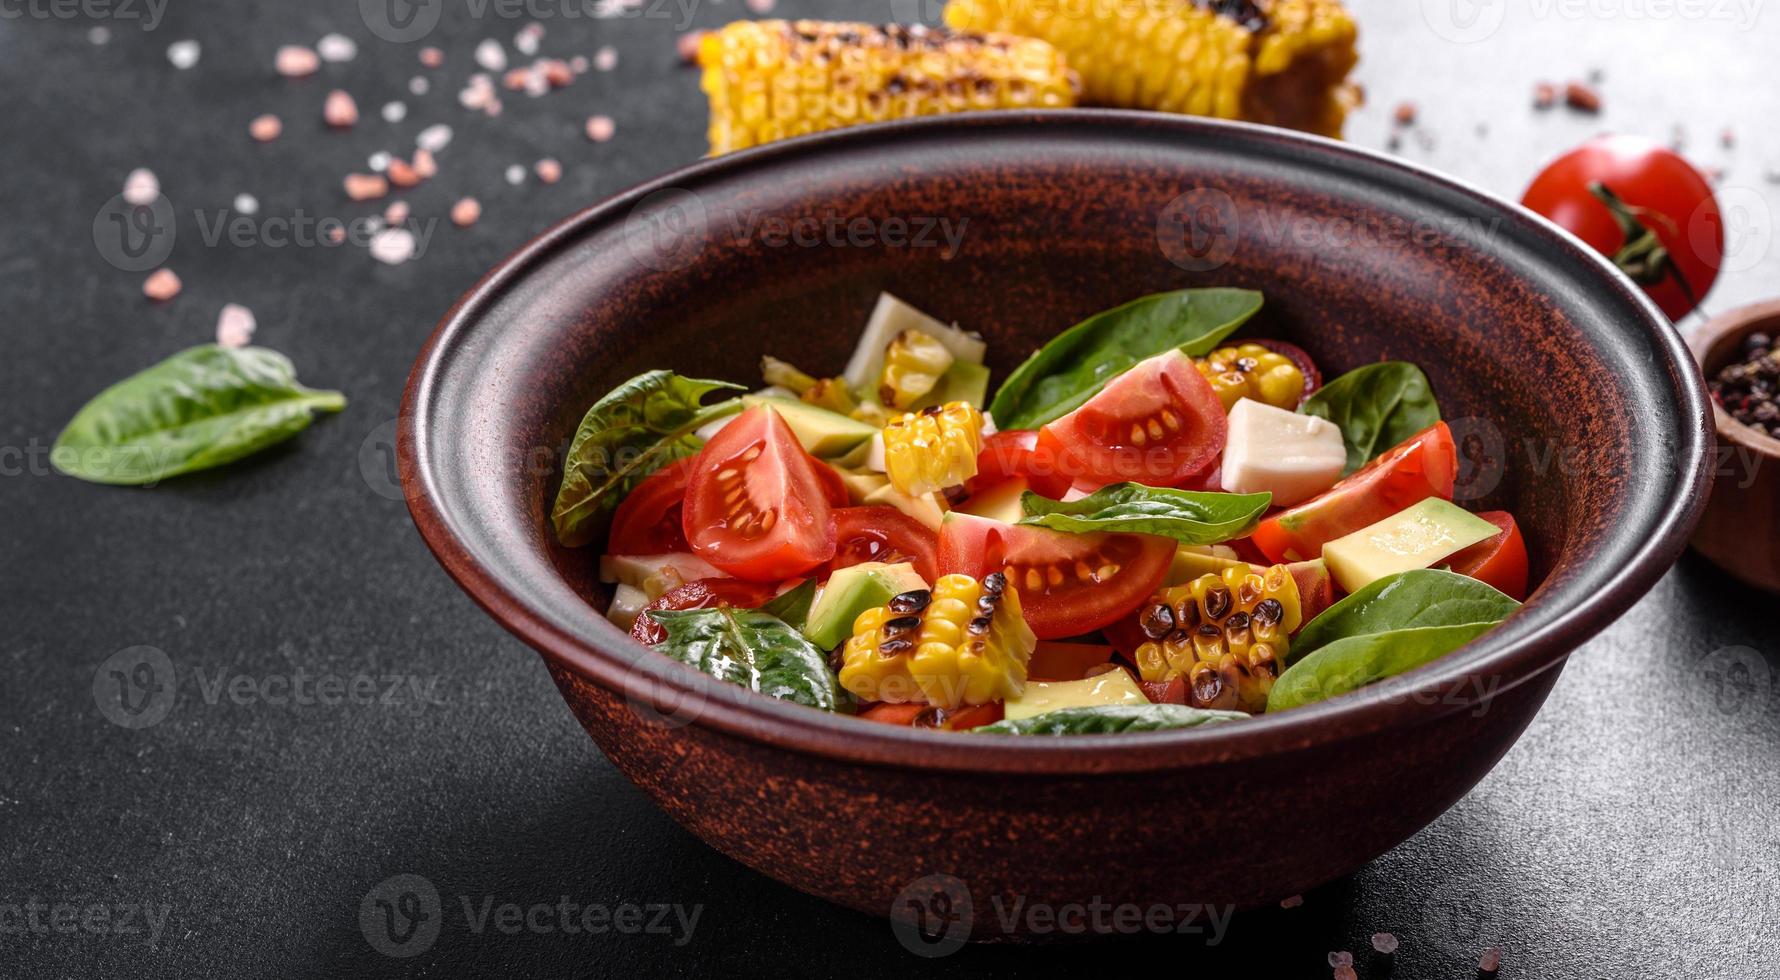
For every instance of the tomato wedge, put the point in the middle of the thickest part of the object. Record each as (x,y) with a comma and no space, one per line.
(648,520)
(879,533)
(1157,424)
(1069,584)
(1422,466)
(1054,661)
(758,506)
(1501,561)
(1014,454)
(833,487)
(926,716)
(706,593)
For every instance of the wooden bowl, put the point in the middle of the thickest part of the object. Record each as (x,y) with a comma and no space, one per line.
(1740,532)
(1582,412)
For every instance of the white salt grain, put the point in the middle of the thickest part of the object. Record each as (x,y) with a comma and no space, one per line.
(393,246)
(235,326)
(183,54)
(418,85)
(1341,958)
(395,112)
(516,175)
(490,55)
(434,138)
(142,187)
(379,161)
(606,58)
(336,47)
(247,204)
(99,35)
(526,41)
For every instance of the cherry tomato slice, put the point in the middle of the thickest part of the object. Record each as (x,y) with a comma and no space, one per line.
(1171,691)
(1015,454)
(833,487)
(1054,661)
(927,716)
(1157,424)
(1313,378)
(1069,584)
(1501,561)
(647,522)
(758,506)
(883,534)
(1422,466)
(706,593)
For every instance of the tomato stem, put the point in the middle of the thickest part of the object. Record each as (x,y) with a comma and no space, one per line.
(1643,256)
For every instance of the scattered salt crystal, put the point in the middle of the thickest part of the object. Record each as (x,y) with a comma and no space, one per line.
(687,45)
(395,111)
(396,213)
(161,285)
(393,246)
(516,175)
(549,171)
(247,204)
(1346,973)
(379,161)
(235,326)
(337,234)
(761,6)
(424,164)
(600,128)
(418,85)
(142,187)
(1384,942)
(339,110)
(336,47)
(1341,958)
(402,173)
(536,83)
(295,61)
(578,64)
(183,54)
(1490,961)
(557,73)
(606,58)
(490,55)
(526,41)
(434,138)
(99,35)
(432,57)
(1291,902)
(366,187)
(466,212)
(374,223)
(265,128)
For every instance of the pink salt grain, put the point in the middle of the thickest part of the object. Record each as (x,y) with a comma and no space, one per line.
(424,164)
(1291,902)
(687,46)
(235,326)
(161,285)
(296,61)
(1346,973)
(432,57)
(396,213)
(606,58)
(600,128)
(366,187)
(265,128)
(1341,958)
(761,6)
(1490,961)
(1384,942)
(339,110)
(466,212)
(549,171)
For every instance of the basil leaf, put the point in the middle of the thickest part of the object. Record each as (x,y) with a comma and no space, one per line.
(1110,719)
(639,427)
(200,408)
(1078,362)
(751,648)
(1376,407)
(1189,516)
(1394,625)
(793,606)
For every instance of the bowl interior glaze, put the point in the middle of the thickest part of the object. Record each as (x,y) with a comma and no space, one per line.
(1579,408)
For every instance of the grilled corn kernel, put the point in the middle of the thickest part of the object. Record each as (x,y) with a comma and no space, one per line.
(935,448)
(1226,633)
(770,79)
(912,365)
(829,393)
(963,643)
(1282,62)
(1252,371)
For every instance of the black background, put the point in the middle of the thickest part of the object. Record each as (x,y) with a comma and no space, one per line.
(1629,833)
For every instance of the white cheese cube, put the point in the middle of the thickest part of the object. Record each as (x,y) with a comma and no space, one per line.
(1292,456)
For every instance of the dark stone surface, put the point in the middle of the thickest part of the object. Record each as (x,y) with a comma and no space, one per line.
(1629,832)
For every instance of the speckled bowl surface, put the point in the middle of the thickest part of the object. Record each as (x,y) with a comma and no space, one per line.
(1578,407)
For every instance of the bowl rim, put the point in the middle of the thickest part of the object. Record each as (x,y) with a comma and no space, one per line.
(1437,689)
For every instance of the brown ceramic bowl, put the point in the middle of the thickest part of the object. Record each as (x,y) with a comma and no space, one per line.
(1741,530)
(1583,414)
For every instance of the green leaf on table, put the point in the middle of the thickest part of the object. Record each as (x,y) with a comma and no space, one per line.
(637,428)
(1191,517)
(1080,361)
(1375,407)
(1110,719)
(202,407)
(749,648)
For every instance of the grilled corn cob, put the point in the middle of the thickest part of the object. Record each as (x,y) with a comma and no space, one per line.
(1283,62)
(913,363)
(1252,371)
(963,643)
(935,448)
(770,79)
(1226,633)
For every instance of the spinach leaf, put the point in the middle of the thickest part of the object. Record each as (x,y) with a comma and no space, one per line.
(1376,407)
(1188,516)
(793,606)
(1394,625)
(639,427)
(751,648)
(200,408)
(1110,719)
(1078,362)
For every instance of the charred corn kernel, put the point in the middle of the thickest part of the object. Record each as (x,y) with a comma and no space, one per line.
(965,642)
(935,448)
(829,393)
(1282,62)
(770,79)
(1252,371)
(1225,632)
(912,365)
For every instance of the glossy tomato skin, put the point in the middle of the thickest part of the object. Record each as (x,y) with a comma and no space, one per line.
(921,715)
(1684,214)
(1056,661)
(647,522)
(758,505)
(833,487)
(1422,466)
(884,534)
(706,593)
(1501,561)
(1064,582)
(1157,424)
(1015,454)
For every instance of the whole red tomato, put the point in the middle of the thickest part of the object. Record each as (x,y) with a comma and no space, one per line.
(1644,207)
